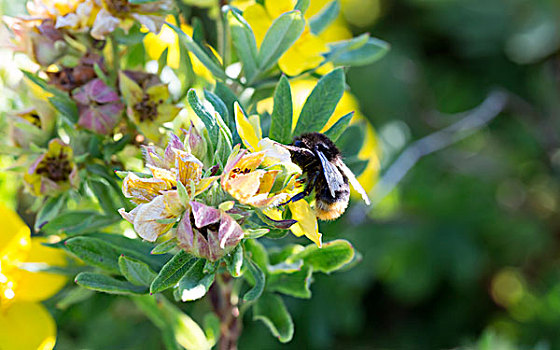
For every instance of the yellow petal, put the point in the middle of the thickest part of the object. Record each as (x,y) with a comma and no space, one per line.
(259,20)
(304,54)
(188,166)
(37,286)
(277,7)
(244,186)
(246,130)
(132,93)
(14,236)
(204,184)
(27,326)
(306,221)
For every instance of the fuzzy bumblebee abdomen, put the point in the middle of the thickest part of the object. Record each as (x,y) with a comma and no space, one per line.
(329,211)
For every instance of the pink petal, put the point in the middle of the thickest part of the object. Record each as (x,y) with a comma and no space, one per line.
(230,233)
(204,215)
(185,234)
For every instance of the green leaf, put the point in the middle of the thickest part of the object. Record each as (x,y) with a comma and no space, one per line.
(78,222)
(372,51)
(331,257)
(295,284)
(339,47)
(108,284)
(185,72)
(257,252)
(172,272)
(355,52)
(136,271)
(138,2)
(162,60)
(224,146)
(195,283)
(60,100)
(324,18)
(338,128)
(221,108)
(234,261)
(104,191)
(200,53)
(229,99)
(258,277)
(165,247)
(270,309)
(302,5)
(321,103)
(94,252)
(73,296)
(49,210)
(352,140)
(204,115)
(285,267)
(67,108)
(282,113)
(281,35)
(245,45)
(133,248)
(212,328)
(169,318)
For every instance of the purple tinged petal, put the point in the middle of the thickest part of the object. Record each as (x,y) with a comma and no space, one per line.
(230,233)
(201,247)
(204,215)
(233,160)
(152,157)
(215,252)
(81,96)
(185,234)
(100,92)
(33,167)
(169,154)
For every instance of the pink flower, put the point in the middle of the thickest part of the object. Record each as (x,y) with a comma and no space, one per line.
(100,107)
(208,232)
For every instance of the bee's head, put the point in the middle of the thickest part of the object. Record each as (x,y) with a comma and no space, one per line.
(315,141)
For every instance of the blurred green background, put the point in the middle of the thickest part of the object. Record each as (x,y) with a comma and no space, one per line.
(465,253)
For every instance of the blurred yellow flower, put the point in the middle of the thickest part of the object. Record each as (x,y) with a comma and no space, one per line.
(370,151)
(304,54)
(52,172)
(25,324)
(155,44)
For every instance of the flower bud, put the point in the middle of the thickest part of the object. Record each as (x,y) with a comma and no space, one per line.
(208,232)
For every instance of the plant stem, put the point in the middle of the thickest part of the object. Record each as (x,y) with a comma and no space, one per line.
(225,306)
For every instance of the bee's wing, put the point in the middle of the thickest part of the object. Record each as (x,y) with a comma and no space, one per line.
(352,179)
(335,181)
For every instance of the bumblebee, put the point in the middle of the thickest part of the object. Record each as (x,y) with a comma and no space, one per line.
(321,162)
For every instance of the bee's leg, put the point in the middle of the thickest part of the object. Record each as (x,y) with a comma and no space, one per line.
(306,191)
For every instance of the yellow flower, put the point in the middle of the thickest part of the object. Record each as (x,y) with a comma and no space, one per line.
(25,324)
(147,102)
(370,151)
(252,186)
(306,53)
(53,172)
(155,44)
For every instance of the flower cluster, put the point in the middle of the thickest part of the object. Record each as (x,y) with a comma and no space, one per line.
(109,86)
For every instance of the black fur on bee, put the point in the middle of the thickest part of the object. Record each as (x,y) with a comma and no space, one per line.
(326,174)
